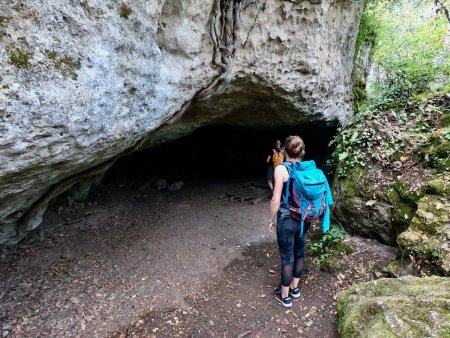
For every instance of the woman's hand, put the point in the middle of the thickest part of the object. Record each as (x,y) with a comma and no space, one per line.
(272,227)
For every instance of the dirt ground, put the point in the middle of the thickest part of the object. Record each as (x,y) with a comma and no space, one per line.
(166,264)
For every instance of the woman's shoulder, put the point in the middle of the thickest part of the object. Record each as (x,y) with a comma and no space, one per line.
(281,170)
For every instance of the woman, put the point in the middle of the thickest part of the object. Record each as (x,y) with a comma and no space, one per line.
(290,243)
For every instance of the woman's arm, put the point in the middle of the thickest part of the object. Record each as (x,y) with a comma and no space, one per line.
(279,175)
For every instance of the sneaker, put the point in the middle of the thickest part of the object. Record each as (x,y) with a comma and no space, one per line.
(278,290)
(286,301)
(295,293)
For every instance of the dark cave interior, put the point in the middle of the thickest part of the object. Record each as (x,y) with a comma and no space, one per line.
(221,151)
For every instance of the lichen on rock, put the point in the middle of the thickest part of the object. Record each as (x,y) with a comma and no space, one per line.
(403,307)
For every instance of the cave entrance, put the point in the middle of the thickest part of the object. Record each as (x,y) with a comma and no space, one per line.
(223,152)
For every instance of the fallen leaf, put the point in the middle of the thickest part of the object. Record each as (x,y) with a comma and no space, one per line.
(309,323)
(371,202)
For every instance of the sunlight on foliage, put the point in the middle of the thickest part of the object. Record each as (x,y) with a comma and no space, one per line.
(409,52)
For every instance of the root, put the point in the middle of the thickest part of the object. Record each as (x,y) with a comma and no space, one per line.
(225,23)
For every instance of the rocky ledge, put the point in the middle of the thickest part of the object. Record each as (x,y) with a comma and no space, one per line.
(404,307)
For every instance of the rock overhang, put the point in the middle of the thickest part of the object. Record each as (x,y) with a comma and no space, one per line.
(97,84)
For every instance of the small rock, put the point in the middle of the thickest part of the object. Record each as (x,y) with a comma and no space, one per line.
(175,186)
(161,184)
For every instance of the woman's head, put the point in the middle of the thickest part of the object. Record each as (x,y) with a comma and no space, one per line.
(294,147)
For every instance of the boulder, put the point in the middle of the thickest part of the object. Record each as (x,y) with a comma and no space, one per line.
(428,236)
(404,307)
(359,212)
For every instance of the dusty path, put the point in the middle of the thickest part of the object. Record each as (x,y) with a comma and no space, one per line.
(164,264)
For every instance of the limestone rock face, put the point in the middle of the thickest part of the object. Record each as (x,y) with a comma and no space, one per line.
(405,307)
(83,81)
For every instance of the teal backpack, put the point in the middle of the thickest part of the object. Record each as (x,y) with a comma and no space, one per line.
(307,194)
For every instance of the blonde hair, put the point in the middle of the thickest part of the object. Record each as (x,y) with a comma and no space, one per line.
(294,147)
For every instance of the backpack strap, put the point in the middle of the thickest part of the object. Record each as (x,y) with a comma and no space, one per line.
(328,203)
(286,195)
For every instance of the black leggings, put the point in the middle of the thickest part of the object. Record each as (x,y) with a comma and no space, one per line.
(292,247)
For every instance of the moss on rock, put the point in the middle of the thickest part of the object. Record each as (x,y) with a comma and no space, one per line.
(402,267)
(431,214)
(404,191)
(438,187)
(403,203)
(125,11)
(404,307)
(20,58)
(64,64)
(436,154)
(352,210)
(429,234)
(334,262)
(352,183)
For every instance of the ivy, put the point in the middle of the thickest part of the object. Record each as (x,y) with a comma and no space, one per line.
(390,129)
(330,242)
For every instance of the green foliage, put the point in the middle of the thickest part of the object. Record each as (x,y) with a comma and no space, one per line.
(20,58)
(331,241)
(409,53)
(389,128)
(368,28)
(359,93)
(125,11)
